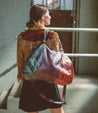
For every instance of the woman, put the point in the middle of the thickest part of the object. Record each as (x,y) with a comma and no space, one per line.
(30,100)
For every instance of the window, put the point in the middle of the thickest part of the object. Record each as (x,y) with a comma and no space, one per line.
(56,4)
(66,4)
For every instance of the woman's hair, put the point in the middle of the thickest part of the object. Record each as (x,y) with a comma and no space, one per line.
(36,12)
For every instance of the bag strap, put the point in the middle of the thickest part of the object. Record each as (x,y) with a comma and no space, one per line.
(44,40)
(45,35)
(47,99)
(61,47)
(63,94)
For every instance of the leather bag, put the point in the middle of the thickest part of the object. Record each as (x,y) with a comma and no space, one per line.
(48,65)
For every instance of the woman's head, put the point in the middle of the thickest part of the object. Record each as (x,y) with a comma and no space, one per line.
(38,13)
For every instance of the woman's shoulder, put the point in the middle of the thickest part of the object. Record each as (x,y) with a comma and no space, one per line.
(34,35)
(52,34)
(30,34)
(21,34)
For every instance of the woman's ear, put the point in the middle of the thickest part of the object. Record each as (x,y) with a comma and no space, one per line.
(42,17)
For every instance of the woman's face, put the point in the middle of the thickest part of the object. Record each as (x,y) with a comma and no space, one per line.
(46,18)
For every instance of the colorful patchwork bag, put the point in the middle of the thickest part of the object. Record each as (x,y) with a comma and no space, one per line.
(48,65)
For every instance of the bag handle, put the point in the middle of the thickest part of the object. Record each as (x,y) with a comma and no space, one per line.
(47,99)
(44,40)
(61,49)
(45,35)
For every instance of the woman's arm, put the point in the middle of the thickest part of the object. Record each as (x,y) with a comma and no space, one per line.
(20,59)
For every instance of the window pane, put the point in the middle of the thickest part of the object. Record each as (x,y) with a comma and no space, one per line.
(66,4)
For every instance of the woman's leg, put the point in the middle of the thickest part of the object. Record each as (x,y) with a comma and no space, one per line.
(57,110)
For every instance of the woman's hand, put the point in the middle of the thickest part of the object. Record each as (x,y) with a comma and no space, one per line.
(21,82)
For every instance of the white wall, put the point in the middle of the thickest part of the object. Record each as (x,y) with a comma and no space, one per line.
(88,42)
(13,16)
